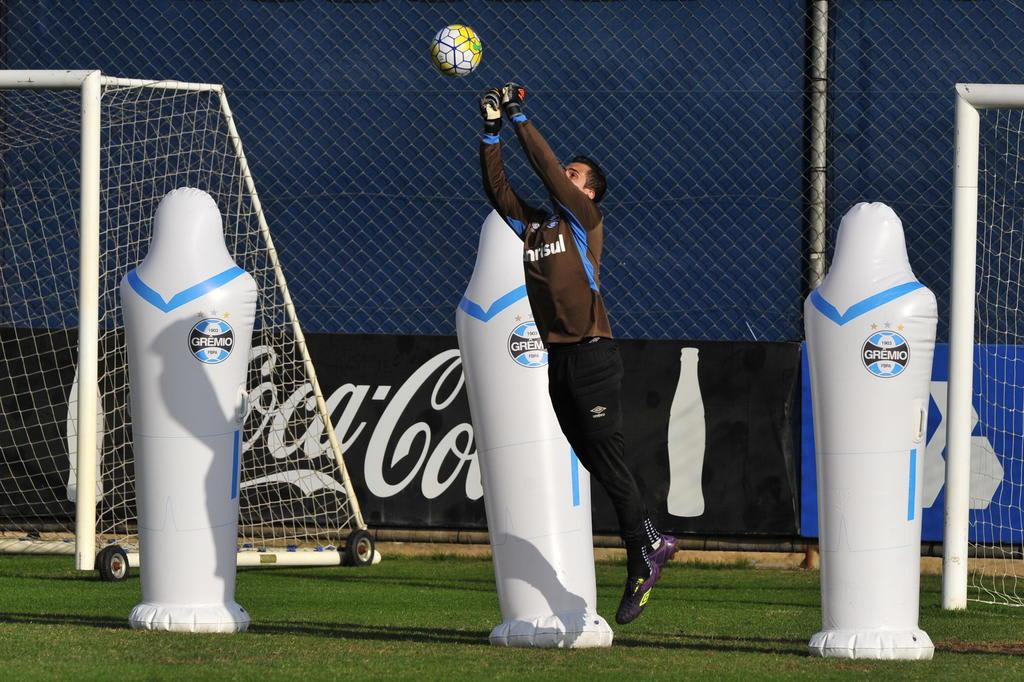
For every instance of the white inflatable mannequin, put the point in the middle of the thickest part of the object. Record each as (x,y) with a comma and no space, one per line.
(536,494)
(189,312)
(870,332)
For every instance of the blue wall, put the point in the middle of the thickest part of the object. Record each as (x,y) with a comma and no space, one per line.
(366,159)
(893,66)
(996,465)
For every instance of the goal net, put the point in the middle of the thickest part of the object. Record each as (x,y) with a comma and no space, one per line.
(295,494)
(997,481)
(983,558)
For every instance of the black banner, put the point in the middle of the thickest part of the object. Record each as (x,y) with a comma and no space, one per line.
(710,433)
(402,416)
(36,376)
(38,438)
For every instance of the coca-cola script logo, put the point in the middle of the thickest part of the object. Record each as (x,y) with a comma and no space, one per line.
(402,448)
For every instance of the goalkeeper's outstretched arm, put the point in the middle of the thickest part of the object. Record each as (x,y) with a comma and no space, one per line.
(509,205)
(568,197)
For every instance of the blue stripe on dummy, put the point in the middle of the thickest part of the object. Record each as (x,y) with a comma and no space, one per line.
(490,139)
(518,226)
(912,494)
(519,118)
(234,465)
(861,307)
(575,472)
(579,235)
(474,309)
(181,298)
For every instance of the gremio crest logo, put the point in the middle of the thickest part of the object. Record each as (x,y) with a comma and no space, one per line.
(525,346)
(211,340)
(886,354)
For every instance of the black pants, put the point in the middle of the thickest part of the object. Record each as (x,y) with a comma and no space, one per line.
(585,381)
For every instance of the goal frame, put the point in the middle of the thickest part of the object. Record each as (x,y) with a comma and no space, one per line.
(90,84)
(970,99)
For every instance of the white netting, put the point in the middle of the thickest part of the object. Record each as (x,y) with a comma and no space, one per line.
(997,482)
(154,139)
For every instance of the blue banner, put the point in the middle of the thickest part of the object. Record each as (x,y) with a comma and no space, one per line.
(997,433)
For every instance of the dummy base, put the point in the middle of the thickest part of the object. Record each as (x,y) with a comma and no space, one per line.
(577,630)
(911,645)
(229,617)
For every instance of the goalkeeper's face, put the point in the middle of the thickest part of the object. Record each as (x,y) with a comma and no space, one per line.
(578,174)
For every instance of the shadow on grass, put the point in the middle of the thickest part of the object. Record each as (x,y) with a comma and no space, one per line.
(467,637)
(680,585)
(85,577)
(956,646)
(65,619)
(460,583)
(335,630)
(722,643)
(795,647)
(770,603)
(429,635)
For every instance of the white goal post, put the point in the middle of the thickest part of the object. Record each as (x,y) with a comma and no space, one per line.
(84,158)
(985,284)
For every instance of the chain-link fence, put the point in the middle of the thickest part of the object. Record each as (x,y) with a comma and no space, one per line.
(701,112)
(892,70)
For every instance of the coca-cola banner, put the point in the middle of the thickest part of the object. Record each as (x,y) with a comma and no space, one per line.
(710,432)
(709,427)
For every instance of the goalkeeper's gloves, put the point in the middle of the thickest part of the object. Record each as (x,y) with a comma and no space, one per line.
(512,96)
(490,109)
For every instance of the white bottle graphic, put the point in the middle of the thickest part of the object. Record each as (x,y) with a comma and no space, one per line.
(686,440)
(71,429)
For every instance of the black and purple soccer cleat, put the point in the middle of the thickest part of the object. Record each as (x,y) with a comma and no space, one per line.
(638,588)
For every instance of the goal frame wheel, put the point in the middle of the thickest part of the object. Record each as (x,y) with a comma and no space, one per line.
(112,564)
(359,548)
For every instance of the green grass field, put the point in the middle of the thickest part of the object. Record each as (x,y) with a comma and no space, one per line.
(428,618)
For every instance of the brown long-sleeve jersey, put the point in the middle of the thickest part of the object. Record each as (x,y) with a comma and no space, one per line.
(561,250)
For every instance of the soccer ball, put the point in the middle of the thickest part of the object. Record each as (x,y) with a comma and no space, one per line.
(456,50)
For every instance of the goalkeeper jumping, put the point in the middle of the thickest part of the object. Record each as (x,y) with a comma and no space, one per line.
(562,260)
